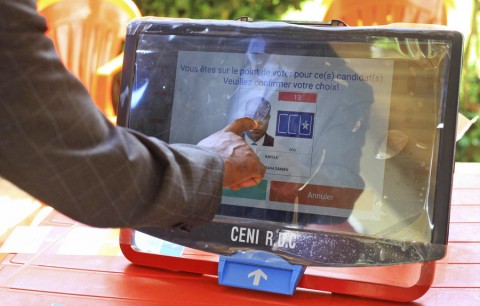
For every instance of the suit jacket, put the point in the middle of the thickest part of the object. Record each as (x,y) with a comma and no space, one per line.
(268,140)
(57,146)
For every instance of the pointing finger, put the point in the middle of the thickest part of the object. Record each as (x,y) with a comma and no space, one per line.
(241,125)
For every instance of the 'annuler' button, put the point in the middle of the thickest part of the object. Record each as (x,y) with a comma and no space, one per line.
(316,195)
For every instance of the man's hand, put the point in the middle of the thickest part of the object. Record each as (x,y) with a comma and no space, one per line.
(242,166)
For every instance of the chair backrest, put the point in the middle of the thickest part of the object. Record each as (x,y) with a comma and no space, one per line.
(87,33)
(378,12)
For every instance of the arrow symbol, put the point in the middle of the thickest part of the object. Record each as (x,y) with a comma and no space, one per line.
(257,274)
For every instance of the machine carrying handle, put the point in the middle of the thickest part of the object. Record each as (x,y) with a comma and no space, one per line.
(332,23)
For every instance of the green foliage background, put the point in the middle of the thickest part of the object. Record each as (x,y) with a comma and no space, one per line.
(210,9)
(468,148)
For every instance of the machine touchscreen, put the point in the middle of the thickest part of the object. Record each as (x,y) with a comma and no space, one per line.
(356,130)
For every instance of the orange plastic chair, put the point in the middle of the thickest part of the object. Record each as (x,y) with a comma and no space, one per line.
(89,36)
(374,12)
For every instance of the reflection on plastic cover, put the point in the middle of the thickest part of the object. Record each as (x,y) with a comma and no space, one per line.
(347,130)
(315,132)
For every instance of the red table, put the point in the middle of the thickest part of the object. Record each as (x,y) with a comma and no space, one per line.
(54,277)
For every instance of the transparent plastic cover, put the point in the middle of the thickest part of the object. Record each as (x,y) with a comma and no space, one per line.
(356,129)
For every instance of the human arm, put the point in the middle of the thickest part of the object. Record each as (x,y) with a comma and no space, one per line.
(58,147)
(242,166)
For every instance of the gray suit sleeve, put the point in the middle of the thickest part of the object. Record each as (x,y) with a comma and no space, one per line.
(57,146)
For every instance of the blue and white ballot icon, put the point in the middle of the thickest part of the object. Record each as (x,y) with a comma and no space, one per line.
(295,124)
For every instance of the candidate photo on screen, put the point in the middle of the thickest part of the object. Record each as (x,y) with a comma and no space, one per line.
(258,108)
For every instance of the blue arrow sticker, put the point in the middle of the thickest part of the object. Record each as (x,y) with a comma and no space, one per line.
(257,274)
